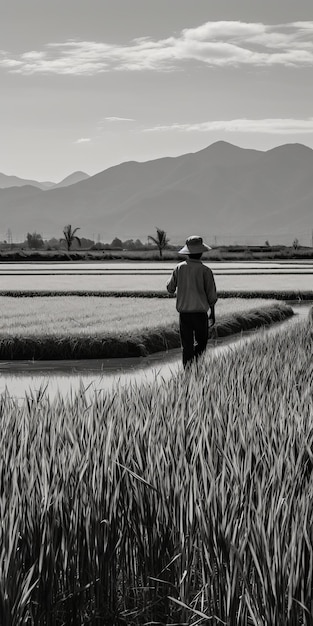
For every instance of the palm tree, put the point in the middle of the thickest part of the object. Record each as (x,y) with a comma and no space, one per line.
(160,241)
(69,236)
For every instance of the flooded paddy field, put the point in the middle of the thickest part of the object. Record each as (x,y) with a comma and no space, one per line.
(134,276)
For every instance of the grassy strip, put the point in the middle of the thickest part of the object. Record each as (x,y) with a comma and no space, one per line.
(221,253)
(167,502)
(289,295)
(131,344)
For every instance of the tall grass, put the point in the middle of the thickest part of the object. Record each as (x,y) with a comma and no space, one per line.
(182,502)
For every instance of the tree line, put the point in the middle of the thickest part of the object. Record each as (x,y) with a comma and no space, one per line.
(70,238)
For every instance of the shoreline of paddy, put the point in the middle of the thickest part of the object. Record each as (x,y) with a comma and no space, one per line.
(132,344)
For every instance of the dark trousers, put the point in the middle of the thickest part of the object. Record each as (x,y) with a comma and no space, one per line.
(193,327)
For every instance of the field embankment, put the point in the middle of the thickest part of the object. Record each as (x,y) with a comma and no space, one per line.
(96,327)
(290,295)
(217,253)
(170,503)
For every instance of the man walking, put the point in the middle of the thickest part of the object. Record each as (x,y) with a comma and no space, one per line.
(196,294)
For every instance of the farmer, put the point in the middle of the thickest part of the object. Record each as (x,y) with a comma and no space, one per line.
(196,294)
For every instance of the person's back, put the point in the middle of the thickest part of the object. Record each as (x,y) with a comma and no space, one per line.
(194,285)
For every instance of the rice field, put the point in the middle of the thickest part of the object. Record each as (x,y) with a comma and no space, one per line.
(90,316)
(297,282)
(127,276)
(69,327)
(180,502)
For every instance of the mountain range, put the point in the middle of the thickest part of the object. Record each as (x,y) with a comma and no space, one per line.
(222,190)
(14,181)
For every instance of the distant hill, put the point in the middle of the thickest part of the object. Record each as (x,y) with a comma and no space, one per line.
(72,179)
(223,190)
(14,181)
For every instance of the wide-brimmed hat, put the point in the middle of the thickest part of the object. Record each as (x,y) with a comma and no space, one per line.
(194,245)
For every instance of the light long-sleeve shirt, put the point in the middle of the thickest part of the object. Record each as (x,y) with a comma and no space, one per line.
(195,286)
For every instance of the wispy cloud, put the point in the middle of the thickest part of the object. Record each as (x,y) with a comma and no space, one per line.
(83,140)
(118,119)
(216,44)
(269,125)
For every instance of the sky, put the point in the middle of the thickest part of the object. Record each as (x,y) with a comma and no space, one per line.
(88,84)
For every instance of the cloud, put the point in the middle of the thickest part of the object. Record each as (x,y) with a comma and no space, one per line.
(9,63)
(269,125)
(118,119)
(83,140)
(223,30)
(214,44)
(33,55)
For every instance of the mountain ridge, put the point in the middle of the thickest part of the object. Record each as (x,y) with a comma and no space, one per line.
(221,189)
(8,181)
(72,179)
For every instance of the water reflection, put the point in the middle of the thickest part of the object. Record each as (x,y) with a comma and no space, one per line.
(20,378)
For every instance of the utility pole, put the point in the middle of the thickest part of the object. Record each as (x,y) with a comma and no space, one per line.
(9,237)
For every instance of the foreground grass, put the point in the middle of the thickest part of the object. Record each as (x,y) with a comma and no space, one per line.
(187,502)
(72,327)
